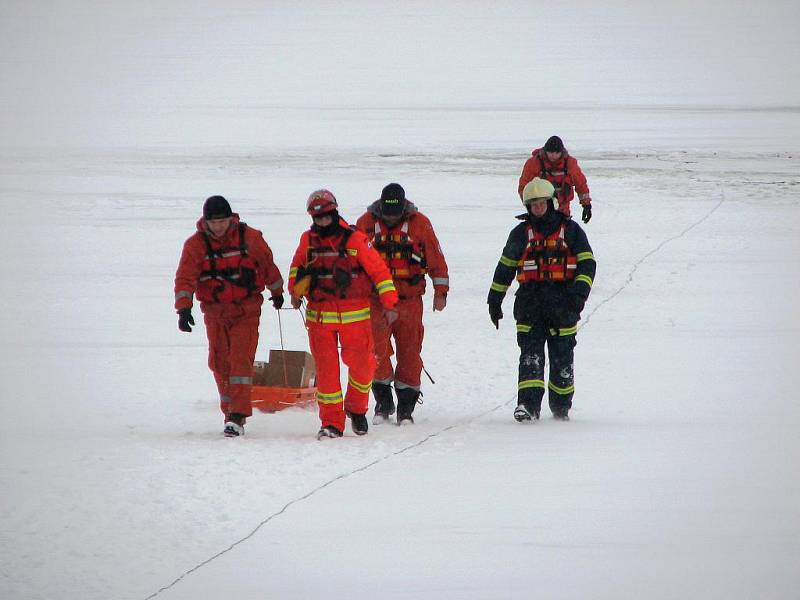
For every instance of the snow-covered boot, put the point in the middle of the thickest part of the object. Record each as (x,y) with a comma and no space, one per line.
(407,399)
(358,423)
(329,431)
(384,402)
(234,425)
(561,415)
(525,413)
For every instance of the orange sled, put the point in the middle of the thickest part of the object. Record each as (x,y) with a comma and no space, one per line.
(288,379)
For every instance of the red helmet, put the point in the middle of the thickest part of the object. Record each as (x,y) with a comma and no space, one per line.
(321,202)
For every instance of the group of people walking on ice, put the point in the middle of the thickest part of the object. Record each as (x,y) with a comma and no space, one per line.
(363,287)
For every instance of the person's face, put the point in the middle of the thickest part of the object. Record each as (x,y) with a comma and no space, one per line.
(218,227)
(391,220)
(538,206)
(553,156)
(322,220)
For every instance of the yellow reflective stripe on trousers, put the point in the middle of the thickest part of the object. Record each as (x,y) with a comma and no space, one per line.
(326,316)
(504,260)
(523,328)
(293,272)
(329,398)
(585,279)
(581,256)
(560,390)
(236,380)
(499,287)
(563,332)
(530,383)
(385,286)
(361,387)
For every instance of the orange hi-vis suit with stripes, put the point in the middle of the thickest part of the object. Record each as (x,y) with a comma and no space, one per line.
(411,250)
(343,269)
(565,174)
(228,275)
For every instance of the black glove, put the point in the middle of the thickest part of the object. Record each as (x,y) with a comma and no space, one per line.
(277,301)
(587,213)
(576,303)
(185,320)
(495,313)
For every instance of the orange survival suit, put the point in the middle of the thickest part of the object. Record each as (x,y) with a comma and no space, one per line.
(339,269)
(565,174)
(228,274)
(411,251)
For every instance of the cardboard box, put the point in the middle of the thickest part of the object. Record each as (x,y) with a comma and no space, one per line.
(299,372)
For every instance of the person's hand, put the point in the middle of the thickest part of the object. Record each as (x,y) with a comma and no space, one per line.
(587,213)
(185,320)
(391,315)
(495,314)
(439,301)
(277,301)
(296,302)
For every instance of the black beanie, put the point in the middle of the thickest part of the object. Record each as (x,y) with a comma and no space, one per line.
(216,207)
(393,200)
(554,144)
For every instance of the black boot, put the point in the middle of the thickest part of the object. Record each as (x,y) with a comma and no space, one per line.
(384,402)
(407,399)
(358,423)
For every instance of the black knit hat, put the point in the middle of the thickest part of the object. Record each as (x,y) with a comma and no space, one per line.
(216,207)
(393,200)
(554,144)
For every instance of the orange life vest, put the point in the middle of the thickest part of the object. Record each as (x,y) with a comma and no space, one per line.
(335,274)
(546,258)
(557,176)
(404,256)
(228,273)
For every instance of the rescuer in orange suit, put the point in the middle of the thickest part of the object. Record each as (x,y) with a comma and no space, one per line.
(336,269)
(405,239)
(553,163)
(227,265)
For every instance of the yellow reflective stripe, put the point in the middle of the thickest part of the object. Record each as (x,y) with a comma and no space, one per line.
(293,272)
(585,279)
(499,287)
(237,380)
(504,260)
(364,388)
(568,331)
(333,398)
(523,328)
(581,256)
(180,295)
(560,390)
(326,316)
(526,384)
(385,286)
(355,315)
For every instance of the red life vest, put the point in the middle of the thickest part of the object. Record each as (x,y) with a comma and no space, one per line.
(404,256)
(546,258)
(228,274)
(335,274)
(558,177)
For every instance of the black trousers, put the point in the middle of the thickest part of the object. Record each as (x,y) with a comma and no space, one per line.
(560,353)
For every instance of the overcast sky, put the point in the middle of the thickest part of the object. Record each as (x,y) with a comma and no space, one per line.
(72,60)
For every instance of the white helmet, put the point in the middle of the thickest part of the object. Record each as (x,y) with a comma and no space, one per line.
(537,188)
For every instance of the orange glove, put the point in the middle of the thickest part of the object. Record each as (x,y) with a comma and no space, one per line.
(439,301)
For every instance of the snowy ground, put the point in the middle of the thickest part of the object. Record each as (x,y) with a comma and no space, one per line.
(676,478)
(678,472)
